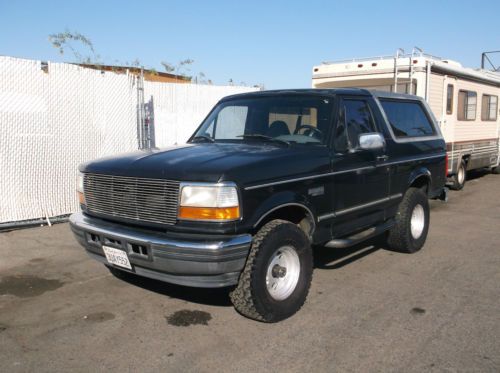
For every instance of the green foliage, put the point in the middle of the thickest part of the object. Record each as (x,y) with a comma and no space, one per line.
(168,67)
(73,41)
(82,50)
(181,68)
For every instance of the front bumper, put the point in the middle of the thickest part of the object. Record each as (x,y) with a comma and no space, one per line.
(191,260)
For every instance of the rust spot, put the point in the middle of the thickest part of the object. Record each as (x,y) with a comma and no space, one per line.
(417,311)
(25,286)
(187,318)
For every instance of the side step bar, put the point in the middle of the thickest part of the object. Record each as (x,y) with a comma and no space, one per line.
(341,243)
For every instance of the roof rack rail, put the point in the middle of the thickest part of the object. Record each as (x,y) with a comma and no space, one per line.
(404,55)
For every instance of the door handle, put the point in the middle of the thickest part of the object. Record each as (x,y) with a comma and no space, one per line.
(382,158)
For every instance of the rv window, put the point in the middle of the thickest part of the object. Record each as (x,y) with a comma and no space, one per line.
(407,118)
(489,108)
(467,102)
(449,99)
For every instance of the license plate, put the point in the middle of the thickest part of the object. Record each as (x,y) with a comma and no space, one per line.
(117,257)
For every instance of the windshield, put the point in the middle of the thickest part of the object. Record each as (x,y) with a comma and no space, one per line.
(293,119)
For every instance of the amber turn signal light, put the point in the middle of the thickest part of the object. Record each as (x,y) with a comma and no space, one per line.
(209,213)
(81,198)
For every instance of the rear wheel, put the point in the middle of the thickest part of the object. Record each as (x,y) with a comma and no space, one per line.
(275,281)
(496,170)
(458,180)
(409,232)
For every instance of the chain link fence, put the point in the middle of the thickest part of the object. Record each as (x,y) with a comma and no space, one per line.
(54,116)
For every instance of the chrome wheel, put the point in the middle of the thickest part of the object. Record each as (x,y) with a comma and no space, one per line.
(283,273)
(417,222)
(461,175)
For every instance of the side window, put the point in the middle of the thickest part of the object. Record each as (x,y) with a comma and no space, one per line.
(230,122)
(449,99)
(407,118)
(467,103)
(489,108)
(355,118)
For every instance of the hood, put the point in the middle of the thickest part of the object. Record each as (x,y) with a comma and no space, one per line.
(242,163)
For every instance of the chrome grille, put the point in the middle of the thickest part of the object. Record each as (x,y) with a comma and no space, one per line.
(141,199)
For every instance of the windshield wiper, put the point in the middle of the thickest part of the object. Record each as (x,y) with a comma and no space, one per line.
(263,137)
(203,137)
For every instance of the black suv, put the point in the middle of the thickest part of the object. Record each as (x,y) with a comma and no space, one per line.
(266,176)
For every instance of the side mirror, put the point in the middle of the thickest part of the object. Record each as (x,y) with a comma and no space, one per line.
(371,141)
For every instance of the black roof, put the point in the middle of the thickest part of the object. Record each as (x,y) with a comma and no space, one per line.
(321,92)
(403,96)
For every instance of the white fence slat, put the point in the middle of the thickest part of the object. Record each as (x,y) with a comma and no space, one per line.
(50,122)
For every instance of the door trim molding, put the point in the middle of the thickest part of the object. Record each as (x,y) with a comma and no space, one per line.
(338,213)
(381,164)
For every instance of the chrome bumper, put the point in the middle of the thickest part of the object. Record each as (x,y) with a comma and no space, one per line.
(190,260)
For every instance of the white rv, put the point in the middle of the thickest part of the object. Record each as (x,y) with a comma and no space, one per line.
(464,101)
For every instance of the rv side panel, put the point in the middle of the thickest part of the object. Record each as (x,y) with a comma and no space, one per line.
(477,129)
(436,84)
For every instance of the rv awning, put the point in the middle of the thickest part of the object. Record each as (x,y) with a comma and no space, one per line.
(482,76)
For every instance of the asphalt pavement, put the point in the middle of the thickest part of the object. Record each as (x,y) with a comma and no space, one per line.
(369,309)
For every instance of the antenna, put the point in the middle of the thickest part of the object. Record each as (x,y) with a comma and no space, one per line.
(484,58)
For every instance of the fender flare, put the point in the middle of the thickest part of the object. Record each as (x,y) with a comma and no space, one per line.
(281,200)
(421,172)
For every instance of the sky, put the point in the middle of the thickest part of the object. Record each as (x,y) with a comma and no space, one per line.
(274,43)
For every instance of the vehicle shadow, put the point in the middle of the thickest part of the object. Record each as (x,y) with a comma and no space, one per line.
(331,258)
(477,174)
(324,258)
(213,297)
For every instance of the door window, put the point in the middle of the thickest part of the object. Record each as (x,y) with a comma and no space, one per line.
(355,118)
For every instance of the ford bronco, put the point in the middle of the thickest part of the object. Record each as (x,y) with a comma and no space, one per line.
(264,177)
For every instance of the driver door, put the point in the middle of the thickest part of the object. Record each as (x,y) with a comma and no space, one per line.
(361,181)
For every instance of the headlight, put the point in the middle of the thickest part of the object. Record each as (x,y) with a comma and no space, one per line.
(79,188)
(212,202)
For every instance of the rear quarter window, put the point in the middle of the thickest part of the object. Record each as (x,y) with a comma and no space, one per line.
(407,118)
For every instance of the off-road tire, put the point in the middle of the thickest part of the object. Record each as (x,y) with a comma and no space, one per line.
(457,180)
(251,297)
(400,237)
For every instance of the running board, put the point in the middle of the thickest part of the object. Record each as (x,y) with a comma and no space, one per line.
(341,243)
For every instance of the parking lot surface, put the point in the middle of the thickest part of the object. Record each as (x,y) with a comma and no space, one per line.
(369,309)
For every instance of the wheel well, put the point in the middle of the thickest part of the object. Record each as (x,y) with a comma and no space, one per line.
(295,214)
(466,159)
(421,182)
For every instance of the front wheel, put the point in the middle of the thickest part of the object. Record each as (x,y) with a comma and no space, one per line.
(409,232)
(496,170)
(275,281)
